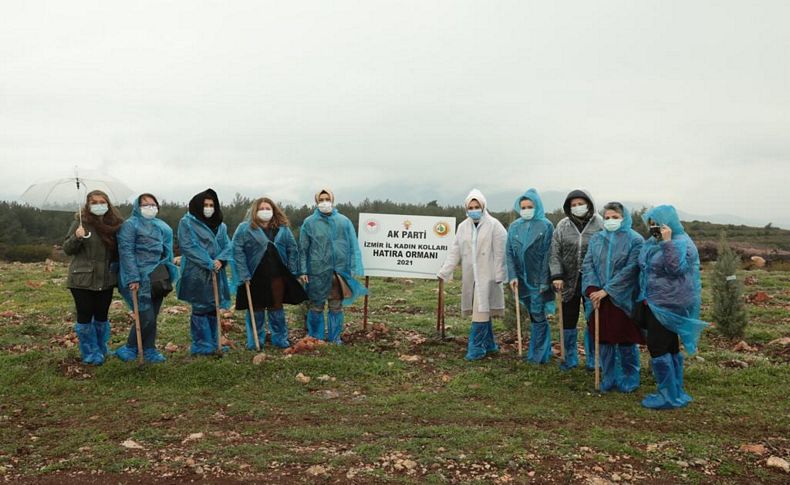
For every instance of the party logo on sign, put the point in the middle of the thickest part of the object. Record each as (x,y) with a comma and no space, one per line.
(371,226)
(407,224)
(441,229)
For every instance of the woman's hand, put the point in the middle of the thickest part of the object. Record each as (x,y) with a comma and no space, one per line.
(304,279)
(514,284)
(80,232)
(217,265)
(596,298)
(666,233)
(558,285)
(134,286)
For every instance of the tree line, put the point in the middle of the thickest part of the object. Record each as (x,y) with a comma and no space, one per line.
(29,234)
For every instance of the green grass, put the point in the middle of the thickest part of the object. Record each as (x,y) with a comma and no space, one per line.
(456,420)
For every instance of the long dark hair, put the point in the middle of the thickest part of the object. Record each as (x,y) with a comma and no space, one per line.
(108,224)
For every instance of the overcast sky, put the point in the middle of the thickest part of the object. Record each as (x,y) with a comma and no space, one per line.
(683,102)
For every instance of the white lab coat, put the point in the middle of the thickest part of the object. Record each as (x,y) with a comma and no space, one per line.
(481,251)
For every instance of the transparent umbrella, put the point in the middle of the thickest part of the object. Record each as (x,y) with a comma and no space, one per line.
(67,194)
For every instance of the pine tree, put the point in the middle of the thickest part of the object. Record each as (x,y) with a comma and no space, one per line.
(729,310)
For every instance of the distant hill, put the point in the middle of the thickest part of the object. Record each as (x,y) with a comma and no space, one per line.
(502,200)
(770,242)
(498,200)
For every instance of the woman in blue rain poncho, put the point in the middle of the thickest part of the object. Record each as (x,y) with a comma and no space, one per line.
(610,279)
(205,252)
(479,246)
(329,260)
(145,248)
(669,303)
(266,255)
(528,250)
(568,248)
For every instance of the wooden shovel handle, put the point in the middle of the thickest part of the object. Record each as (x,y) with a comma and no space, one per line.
(597,351)
(138,330)
(216,307)
(561,325)
(518,320)
(252,316)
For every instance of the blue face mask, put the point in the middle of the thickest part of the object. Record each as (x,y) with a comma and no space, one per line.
(475,214)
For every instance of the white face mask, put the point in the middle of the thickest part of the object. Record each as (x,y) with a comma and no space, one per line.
(579,210)
(208,212)
(99,209)
(527,214)
(265,214)
(325,207)
(149,212)
(612,225)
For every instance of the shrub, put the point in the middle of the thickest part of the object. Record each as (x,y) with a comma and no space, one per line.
(28,253)
(729,310)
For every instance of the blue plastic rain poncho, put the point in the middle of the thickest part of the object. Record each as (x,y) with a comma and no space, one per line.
(670,278)
(528,252)
(143,244)
(328,245)
(199,248)
(612,264)
(249,246)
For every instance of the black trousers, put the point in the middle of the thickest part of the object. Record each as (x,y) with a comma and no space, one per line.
(660,341)
(571,308)
(91,305)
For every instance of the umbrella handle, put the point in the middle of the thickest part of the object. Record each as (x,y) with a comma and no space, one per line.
(88,234)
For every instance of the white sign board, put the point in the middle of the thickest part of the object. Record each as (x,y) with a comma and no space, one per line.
(403,246)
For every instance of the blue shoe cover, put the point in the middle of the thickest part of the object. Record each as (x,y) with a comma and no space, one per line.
(279,328)
(629,362)
(203,336)
(335,327)
(539,343)
(315,324)
(475,348)
(569,342)
(667,396)
(89,349)
(260,326)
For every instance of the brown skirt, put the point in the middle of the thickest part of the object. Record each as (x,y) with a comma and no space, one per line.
(616,326)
